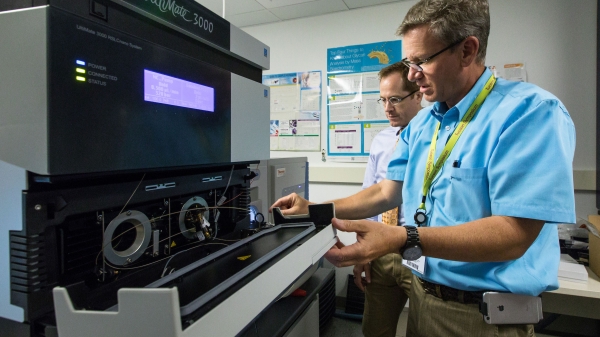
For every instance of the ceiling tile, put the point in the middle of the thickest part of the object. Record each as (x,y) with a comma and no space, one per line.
(215,6)
(280,3)
(309,9)
(252,18)
(365,3)
(234,7)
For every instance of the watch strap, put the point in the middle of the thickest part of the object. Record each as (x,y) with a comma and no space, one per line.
(412,238)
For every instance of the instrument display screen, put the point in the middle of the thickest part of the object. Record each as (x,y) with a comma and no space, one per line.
(160,88)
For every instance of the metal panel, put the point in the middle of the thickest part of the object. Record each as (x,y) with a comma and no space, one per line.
(249,120)
(23,103)
(11,218)
(308,324)
(249,48)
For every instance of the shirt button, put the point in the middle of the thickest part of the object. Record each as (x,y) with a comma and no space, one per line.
(448,128)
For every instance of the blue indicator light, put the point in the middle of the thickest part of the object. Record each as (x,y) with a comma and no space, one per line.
(81,63)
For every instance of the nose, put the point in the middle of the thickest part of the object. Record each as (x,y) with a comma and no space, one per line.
(413,74)
(388,106)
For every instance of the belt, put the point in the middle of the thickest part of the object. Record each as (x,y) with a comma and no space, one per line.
(451,294)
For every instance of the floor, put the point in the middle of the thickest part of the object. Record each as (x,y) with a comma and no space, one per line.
(343,327)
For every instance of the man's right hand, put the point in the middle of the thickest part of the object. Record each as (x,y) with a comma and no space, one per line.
(292,204)
(359,280)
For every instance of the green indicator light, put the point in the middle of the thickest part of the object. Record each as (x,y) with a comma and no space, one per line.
(80,70)
(80,78)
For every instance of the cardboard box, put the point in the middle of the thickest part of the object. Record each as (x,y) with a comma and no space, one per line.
(594,245)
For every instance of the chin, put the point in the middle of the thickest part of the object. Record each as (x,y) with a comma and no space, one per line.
(430,98)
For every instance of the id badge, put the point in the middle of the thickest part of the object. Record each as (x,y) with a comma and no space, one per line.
(417,265)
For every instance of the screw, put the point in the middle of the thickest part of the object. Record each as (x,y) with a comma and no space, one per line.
(38,207)
(128,260)
(128,212)
(166,202)
(99,217)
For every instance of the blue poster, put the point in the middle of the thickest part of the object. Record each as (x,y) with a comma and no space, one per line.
(354,115)
(364,57)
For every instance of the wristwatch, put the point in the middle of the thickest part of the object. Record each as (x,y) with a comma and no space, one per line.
(412,248)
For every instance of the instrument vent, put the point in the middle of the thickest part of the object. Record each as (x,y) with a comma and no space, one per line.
(28,271)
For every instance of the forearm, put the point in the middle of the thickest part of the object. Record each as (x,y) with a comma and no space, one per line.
(369,202)
(496,238)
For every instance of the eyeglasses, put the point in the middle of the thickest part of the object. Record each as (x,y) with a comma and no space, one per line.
(393,100)
(417,65)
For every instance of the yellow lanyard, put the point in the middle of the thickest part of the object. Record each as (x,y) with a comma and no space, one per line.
(431,169)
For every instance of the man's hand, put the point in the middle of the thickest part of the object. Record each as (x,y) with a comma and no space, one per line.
(359,280)
(374,239)
(292,204)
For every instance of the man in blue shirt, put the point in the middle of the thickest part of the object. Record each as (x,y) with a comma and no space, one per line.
(387,282)
(491,198)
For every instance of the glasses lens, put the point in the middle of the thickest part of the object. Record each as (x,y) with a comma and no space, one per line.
(394,100)
(416,67)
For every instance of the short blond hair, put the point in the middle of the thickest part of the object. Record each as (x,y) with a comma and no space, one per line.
(451,21)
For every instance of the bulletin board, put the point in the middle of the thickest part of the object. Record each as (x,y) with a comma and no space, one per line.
(353,115)
(295,123)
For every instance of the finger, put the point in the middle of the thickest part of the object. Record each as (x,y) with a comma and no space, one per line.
(368,273)
(345,256)
(341,224)
(357,226)
(339,244)
(282,203)
(358,281)
(290,211)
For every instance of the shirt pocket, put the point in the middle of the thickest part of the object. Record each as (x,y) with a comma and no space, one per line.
(468,196)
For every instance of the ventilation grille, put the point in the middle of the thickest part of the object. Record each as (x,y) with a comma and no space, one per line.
(81,246)
(355,298)
(326,302)
(28,270)
(245,200)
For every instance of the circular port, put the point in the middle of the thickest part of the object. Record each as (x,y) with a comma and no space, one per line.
(126,238)
(192,216)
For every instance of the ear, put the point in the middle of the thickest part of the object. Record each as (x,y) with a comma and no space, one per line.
(469,51)
(418,97)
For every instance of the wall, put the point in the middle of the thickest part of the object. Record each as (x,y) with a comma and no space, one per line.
(556,39)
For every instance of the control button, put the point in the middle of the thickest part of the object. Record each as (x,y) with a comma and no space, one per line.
(98,10)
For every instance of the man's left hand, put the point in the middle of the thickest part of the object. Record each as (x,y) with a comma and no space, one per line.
(374,239)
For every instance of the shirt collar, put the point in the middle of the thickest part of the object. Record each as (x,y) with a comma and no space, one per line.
(439,110)
(399,130)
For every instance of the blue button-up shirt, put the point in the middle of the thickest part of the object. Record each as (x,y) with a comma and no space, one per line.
(515,159)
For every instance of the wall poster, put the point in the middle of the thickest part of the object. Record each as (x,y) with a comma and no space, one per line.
(353,115)
(295,111)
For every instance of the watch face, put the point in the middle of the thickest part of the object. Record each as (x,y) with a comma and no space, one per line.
(412,253)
